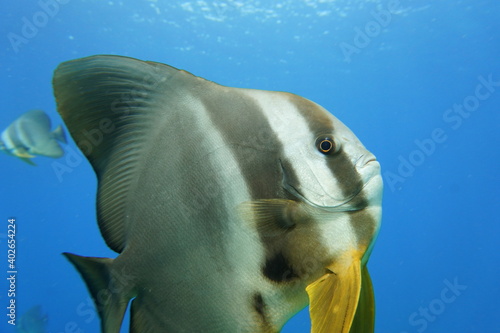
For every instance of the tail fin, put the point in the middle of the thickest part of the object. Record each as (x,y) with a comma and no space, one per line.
(110,298)
(59,134)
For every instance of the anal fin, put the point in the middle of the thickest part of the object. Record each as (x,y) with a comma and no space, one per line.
(364,319)
(140,321)
(110,298)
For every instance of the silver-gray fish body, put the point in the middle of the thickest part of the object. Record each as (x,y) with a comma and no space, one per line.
(224,204)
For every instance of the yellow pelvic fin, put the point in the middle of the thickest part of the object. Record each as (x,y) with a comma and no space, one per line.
(27,160)
(22,153)
(334,297)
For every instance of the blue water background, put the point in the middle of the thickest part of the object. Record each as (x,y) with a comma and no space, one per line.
(440,224)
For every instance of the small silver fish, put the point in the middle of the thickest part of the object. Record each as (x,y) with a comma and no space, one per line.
(30,135)
(231,209)
(32,321)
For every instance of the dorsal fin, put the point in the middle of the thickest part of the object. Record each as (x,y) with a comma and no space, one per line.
(113,106)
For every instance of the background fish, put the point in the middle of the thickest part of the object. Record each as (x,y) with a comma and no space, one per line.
(30,135)
(32,321)
(231,209)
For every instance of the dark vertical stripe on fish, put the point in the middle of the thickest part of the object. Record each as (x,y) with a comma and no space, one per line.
(340,165)
(258,151)
(260,308)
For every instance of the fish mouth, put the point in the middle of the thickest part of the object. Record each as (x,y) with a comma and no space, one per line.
(343,206)
(346,204)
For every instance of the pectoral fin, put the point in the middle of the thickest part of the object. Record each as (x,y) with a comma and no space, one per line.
(272,217)
(334,297)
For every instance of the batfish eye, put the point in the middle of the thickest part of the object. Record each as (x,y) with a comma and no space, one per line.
(326,145)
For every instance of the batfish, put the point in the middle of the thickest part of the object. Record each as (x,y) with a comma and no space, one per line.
(230,209)
(32,321)
(30,135)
